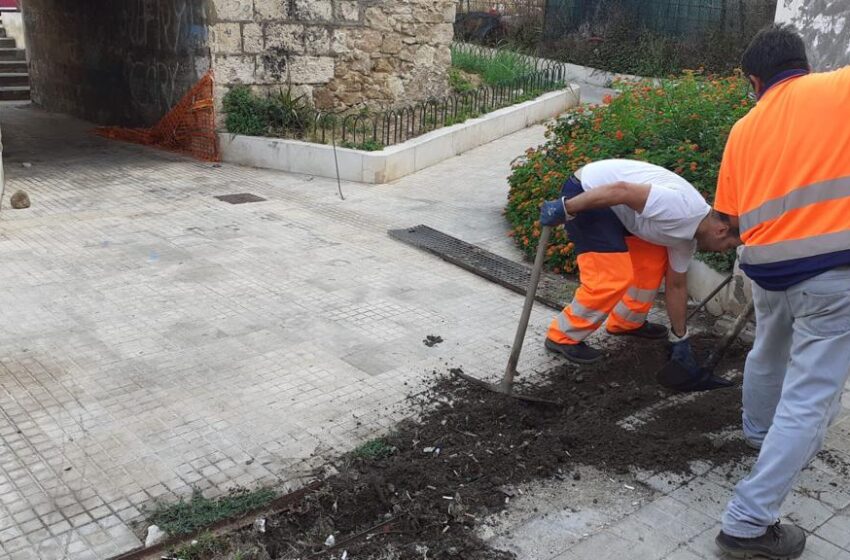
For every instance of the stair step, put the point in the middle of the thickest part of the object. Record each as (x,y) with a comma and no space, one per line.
(14,93)
(2,31)
(13,66)
(12,54)
(14,79)
(7,42)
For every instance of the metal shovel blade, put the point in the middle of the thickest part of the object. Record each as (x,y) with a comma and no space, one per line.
(507,384)
(498,388)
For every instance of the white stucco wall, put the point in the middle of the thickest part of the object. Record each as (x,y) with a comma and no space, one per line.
(825,26)
(13,22)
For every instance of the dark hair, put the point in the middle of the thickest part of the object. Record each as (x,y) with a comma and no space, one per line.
(774,49)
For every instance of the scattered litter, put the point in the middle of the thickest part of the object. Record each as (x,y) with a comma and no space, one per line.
(432,340)
(330,541)
(629,487)
(155,536)
(260,524)
(344,555)
(26,164)
(448,498)
(428,449)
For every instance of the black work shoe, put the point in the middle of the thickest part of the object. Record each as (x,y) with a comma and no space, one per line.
(646,330)
(579,353)
(779,542)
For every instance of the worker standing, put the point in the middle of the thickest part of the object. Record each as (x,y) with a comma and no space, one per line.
(785,181)
(633,225)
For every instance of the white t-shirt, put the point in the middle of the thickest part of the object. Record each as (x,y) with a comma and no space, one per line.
(673,210)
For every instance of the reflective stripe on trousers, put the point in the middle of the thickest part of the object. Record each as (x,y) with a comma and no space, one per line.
(793,380)
(620,286)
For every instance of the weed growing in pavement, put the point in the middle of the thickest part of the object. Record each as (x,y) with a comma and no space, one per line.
(377,448)
(201,548)
(186,517)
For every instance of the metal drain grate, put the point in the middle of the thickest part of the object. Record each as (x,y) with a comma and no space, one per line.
(240,198)
(553,291)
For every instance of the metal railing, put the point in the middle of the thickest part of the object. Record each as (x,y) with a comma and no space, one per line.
(374,130)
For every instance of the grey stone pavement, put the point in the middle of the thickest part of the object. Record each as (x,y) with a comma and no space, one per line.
(154,339)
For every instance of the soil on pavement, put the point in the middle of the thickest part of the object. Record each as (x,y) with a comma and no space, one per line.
(419,492)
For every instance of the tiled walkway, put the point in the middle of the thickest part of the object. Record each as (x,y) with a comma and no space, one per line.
(154,339)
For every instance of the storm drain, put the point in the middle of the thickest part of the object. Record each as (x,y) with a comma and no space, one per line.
(240,198)
(553,291)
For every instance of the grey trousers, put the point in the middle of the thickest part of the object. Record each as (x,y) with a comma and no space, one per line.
(793,380)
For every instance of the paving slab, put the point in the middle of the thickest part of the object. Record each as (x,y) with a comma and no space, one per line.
(156,339)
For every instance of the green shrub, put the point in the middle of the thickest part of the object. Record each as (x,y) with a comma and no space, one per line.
(246,112)
(681,124)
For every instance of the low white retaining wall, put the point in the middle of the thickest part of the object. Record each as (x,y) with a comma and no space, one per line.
(702,280)
(399,160)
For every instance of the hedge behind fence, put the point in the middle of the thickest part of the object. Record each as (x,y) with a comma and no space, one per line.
(681,124)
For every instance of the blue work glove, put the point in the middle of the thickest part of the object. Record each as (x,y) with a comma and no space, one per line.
(553,213)
(681,352)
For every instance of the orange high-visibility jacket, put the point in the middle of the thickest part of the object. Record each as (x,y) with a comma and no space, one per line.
(786,175)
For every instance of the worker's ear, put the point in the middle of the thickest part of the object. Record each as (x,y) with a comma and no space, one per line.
(756,83)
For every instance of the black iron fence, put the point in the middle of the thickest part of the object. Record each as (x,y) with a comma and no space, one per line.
(374,130)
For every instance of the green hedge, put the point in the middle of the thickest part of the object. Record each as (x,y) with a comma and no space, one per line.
(681,124)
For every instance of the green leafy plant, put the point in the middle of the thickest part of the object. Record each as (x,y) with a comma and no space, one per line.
(287,112)
(377,448)
(681,124)
(458,82)
(198,512)
(366,145)
(246,112)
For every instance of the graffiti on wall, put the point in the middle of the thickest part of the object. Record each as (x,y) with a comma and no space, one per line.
(165,39)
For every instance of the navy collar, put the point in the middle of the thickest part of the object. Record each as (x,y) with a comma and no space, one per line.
(781,77)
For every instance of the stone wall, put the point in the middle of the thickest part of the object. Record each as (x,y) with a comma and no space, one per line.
(115,62)
(338,53)
(825,26)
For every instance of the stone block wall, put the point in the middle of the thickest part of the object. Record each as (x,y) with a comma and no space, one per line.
(337,53)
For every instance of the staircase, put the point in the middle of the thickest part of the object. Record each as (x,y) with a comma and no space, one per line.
(14,75)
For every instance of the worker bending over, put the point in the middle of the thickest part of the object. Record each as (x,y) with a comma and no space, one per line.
(633,225)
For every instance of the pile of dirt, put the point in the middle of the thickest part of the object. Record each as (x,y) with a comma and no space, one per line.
(421,491)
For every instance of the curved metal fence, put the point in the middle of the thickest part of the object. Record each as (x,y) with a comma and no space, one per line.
(374,130)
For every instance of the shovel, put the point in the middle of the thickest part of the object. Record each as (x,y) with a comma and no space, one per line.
(676,376)
(506,386)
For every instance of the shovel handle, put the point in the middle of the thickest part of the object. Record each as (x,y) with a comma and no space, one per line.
(730,337)
(531,292)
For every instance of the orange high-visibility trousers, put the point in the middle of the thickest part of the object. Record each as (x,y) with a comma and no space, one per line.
(619,286)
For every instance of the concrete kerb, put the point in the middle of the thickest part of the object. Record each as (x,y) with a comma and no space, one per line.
(396,161)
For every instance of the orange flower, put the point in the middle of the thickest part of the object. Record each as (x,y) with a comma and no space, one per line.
(607,99)
(693,166)
(619,135)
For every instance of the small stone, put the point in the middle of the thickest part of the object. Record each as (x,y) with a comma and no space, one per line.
(20,200)
(330,541)
(155,536)
(260,524)
(26,164)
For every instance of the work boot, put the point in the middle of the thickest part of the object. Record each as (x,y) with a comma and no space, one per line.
(579,353)
(779,542)
(646,330)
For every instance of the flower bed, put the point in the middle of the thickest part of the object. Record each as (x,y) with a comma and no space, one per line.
(679,124)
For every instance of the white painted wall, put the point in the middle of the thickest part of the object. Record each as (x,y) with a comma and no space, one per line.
(14,24)
(825,26)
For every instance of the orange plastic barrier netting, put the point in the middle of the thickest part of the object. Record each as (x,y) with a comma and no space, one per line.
(188,128)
